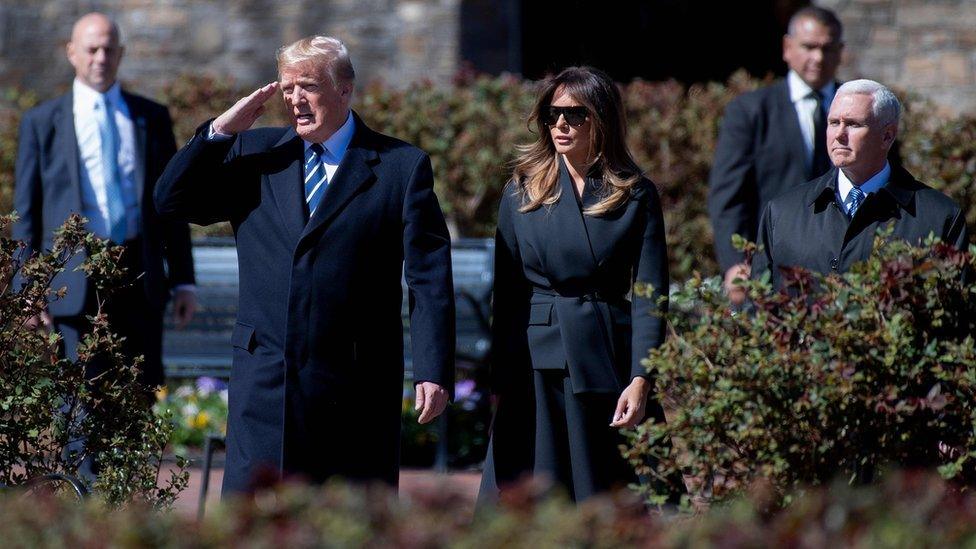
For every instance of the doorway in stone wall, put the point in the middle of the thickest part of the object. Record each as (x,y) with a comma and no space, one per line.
(691,41)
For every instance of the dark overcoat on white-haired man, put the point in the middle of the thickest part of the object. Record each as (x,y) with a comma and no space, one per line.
(323,236)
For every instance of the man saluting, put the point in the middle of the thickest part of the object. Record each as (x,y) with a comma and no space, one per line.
(327,215)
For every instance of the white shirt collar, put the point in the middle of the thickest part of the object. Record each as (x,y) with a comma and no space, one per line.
(799,90)
(338,142)
(86,95)
(872,185)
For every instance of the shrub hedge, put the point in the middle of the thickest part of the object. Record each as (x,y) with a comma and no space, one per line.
(47,402)
(834,375)
(470,129)
(909,510)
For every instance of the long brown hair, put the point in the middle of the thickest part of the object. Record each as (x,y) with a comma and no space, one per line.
(536,170)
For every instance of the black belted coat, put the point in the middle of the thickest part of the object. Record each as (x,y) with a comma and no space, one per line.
(562,300)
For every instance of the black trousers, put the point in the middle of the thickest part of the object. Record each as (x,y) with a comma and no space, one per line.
(130,315)
(575,446)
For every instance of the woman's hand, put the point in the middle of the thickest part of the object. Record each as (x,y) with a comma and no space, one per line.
(631,404)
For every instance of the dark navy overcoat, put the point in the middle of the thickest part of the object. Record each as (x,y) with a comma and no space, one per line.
(317,379)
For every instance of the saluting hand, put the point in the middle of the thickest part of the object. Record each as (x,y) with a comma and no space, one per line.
(242,115)
(630,406)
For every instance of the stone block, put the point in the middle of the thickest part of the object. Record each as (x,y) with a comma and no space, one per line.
(956,69)
(923,70)
(884,38)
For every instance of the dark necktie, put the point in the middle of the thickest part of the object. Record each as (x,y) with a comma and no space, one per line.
(821,162)
(315,177)
(857,197)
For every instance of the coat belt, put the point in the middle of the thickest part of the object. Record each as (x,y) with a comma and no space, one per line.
(586,329)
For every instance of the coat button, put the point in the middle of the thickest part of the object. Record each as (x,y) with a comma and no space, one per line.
(834,263)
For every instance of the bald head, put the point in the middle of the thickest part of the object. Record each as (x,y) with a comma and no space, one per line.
(95,51)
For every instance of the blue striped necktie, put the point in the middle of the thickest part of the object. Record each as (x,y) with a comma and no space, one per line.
(857,196)
(315,177)
(109,135)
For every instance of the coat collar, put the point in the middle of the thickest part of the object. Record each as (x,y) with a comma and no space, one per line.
(66,141)
(137,113)
(790,125)
(354,172)
(901,187)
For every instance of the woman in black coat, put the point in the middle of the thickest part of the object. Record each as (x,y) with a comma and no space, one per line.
(577,226)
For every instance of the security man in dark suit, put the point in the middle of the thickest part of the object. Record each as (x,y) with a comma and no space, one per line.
(327,215)
(772,139)
(98,151)
(831,223)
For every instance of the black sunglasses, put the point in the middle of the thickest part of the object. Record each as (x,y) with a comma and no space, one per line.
(575,116)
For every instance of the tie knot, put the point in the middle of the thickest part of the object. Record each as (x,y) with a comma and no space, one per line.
(857,193)
(816,96)
(317,148)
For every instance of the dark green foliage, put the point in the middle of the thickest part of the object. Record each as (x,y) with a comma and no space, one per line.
(836,376)
(34,383)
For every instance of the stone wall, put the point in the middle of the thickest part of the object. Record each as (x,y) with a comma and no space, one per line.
(394,40)
(924,46)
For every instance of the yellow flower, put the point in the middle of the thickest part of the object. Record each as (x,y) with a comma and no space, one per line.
(162,393)
(201,420)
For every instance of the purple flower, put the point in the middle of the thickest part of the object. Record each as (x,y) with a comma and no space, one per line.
(463,390)
(208,385)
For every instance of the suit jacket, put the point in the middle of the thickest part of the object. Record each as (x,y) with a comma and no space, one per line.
(561,288)
(760,154)
(317,379)
(48,190)
(806,227)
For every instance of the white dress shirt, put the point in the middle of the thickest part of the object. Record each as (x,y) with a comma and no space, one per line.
(805,107)
(872,185)
(94,199)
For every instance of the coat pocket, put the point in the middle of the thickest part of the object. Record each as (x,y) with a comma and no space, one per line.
(243,337)
(540,314)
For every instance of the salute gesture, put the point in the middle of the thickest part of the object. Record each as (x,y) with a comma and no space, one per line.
(242,115)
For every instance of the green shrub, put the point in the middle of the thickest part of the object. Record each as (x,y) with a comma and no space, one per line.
(110,409)
(838,375)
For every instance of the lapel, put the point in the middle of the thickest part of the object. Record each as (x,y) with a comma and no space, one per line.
(138,116)
(569,225)
(789,125)
(354,172)
(66,140)
(605,231)
(286,184)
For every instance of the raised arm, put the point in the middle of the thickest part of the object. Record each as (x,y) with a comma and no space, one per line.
(198,183)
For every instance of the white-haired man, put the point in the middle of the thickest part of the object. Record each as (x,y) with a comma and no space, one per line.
(327,215)
(829,224)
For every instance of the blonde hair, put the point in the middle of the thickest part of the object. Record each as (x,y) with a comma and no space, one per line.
(536,172)
(323,52)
